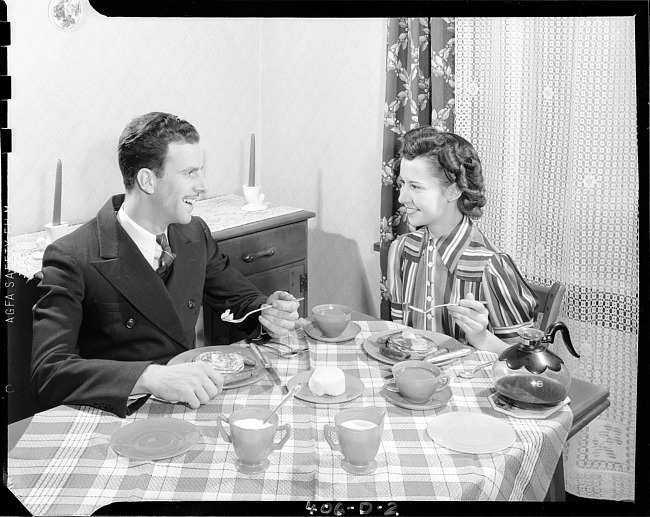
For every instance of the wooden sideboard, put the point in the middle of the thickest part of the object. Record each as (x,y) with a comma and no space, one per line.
(272,254)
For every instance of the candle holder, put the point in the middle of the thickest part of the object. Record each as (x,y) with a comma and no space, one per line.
(254,198)
(52,233)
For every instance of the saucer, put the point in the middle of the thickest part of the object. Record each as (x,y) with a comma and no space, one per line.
(253,208)
(358,470)
(438,400)
(252,469)
(349,333)
(155,438)
(353,388)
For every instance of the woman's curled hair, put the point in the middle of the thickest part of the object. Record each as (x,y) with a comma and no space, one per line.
(457,159)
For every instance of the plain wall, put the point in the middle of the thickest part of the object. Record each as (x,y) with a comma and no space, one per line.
(312,90)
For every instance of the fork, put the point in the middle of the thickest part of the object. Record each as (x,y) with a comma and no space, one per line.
(416,309)
(227,316)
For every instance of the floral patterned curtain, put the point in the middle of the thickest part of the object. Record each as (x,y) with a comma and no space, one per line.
(419,91)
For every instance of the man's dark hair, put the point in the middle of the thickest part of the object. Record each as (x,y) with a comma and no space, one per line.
(144,143)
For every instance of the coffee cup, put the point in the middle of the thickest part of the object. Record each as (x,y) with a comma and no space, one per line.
(52,233)
(416,381)
(253,195)
(332,318)
(358,435)
(253,439)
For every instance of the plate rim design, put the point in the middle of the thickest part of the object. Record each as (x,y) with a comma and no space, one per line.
(190,437)
(446,419)
(259,372)
(340,399)
(376,354)
(338,339)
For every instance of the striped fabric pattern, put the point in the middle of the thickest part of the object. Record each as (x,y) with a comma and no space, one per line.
(423,272)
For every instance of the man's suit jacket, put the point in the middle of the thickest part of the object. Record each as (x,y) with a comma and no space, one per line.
(104,314)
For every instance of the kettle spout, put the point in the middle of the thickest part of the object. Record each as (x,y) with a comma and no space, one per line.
(550,335)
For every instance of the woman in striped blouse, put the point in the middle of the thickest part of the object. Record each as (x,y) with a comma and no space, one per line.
(447,259)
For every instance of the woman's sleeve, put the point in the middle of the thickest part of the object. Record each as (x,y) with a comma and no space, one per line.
(394,279)
(512,302)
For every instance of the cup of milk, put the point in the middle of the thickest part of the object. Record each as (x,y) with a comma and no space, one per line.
(357,435)
(252,438)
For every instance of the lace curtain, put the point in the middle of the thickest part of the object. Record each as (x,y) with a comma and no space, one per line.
(419,91)
(550,104)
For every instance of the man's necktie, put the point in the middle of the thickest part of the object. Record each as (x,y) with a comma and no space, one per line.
(166,257)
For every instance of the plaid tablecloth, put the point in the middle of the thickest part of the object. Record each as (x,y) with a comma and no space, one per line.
(64,463)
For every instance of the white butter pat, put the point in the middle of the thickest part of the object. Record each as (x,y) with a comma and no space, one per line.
(327,380)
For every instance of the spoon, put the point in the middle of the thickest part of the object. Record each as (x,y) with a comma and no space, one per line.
(289,395)
(470,374)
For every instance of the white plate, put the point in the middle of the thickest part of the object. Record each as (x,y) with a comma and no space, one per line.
(353,388)
(475,433)
(155,438)
(372,348)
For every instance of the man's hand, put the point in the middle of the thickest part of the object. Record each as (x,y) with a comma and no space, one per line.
(191,383)
(280,318)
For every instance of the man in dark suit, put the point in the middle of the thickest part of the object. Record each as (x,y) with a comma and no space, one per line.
(120,296)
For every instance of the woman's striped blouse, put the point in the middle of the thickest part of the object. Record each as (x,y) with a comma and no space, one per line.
(423,272)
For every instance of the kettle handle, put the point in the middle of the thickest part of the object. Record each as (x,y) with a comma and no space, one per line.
(550,335)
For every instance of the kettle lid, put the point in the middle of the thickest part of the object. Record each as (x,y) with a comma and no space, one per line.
(531,353)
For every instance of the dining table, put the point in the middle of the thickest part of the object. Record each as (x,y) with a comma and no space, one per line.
(64,463)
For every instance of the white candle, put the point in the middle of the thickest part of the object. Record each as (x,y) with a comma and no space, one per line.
(56,215)
(251,169)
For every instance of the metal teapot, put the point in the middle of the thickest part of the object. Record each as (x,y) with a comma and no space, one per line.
(529,373)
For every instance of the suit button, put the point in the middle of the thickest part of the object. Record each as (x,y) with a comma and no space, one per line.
(129,323)
(191,304)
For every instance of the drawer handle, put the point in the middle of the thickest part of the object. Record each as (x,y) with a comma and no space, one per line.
(250,257)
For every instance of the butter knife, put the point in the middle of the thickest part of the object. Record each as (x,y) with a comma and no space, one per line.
(442,358)
(265,362)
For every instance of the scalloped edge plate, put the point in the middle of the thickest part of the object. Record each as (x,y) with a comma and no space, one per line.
(259,372)
(372,348)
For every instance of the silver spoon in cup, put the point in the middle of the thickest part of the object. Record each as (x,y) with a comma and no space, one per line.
(288,396)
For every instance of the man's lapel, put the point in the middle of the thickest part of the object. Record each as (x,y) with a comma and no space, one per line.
(121,263)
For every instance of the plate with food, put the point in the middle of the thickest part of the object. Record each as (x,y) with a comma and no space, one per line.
(237,364)
(326,385)
(394,346)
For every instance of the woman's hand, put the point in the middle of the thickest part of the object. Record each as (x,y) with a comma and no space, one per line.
(280,318)
(472,317)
